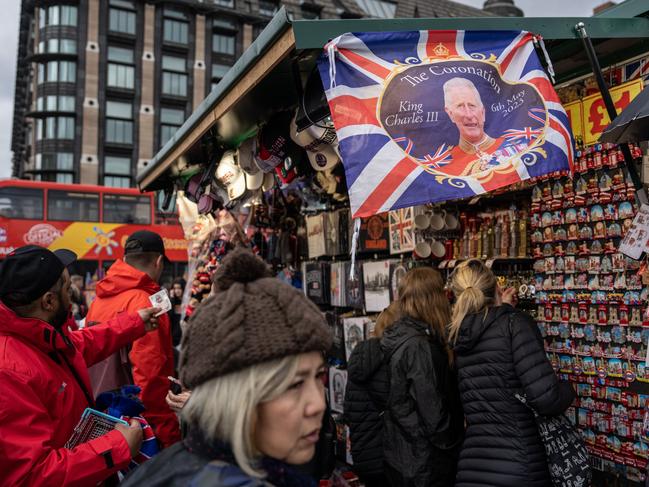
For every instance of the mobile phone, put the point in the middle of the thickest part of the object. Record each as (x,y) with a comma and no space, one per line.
(174,385)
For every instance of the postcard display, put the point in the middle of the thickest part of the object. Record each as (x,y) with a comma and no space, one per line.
(590,305)
(386,242)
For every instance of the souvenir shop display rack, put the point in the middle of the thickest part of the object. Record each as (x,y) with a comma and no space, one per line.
(267,67)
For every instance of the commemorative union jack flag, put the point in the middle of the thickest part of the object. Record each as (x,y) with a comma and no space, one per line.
(429,116)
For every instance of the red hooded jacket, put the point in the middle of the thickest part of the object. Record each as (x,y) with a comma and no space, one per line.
(126,289)
(42,401)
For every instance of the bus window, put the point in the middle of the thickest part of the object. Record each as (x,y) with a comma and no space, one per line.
(21,203)
(72,206)
(120,208)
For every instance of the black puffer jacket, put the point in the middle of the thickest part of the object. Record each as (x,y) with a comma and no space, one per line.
(366,397)
(423,422)
(502,447)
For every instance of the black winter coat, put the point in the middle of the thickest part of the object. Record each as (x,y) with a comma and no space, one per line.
(502,447)
(366,397)
(423,421)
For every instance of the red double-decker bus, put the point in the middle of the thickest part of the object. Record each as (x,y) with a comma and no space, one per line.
(92,221)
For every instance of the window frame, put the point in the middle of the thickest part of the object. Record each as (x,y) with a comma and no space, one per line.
(37,194)
(118,124)
(70,197)
(115,175)
(119,218)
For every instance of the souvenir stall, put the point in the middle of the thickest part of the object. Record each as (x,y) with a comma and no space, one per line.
(326,156)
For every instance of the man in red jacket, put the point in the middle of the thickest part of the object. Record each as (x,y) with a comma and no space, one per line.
(127,287)
(44,379)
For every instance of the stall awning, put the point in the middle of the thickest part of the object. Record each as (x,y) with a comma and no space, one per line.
(264,78)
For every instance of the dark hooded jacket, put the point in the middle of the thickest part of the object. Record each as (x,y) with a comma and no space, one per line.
(497,354)
(366,397)
(423,421)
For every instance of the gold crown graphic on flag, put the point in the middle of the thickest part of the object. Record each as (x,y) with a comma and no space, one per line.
(441,50)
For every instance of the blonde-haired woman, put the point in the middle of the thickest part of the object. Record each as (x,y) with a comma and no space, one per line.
(423,420)
(253,358)
(498,353)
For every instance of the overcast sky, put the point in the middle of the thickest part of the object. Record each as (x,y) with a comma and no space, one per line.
(9,39)
(550,8)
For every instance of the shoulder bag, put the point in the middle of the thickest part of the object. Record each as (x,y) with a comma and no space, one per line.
(566,454)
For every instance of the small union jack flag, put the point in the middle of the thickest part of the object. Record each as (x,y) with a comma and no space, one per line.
(527,133)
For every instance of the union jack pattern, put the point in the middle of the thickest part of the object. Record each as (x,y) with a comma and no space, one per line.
(402,237)
(391,169)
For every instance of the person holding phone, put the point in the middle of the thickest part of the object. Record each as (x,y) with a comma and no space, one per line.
(177,395)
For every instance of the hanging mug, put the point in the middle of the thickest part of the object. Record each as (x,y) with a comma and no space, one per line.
(451,221)
(437,248)
(422,250)
(421,221)
(438,220)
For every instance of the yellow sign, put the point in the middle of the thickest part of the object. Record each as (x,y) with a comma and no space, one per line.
(575,117)
(595,117)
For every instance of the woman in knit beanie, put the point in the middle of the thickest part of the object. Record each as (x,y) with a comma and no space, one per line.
(253,358)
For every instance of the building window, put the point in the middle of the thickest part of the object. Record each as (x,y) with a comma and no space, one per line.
(223,43)
(121,208)
(224,3)
(21,203)
(170,121)
(174,81)
(72,206)
(117,171)
(121,21)
(119,122)
(120,75)
(65,127)
(57,72)
(268,7)
(53,103)
(224,23)
(58,15)
(175,31)
(55,128)
(63,46)
(174,27)
(61,161)
(218,72)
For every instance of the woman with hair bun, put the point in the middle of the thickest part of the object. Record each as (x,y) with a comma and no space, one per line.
(253,357)
(498,353)
(423,419)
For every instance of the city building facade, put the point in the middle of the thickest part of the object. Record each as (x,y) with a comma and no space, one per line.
(101,85)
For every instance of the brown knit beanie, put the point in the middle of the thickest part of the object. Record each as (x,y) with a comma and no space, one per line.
(252,318)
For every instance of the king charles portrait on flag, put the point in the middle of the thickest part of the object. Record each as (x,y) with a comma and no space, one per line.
(432,116)
(475,151)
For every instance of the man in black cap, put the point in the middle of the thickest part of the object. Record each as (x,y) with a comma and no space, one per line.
(44,377)
(127,286)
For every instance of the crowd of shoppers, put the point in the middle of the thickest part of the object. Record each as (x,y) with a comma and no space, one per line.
(431,399)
